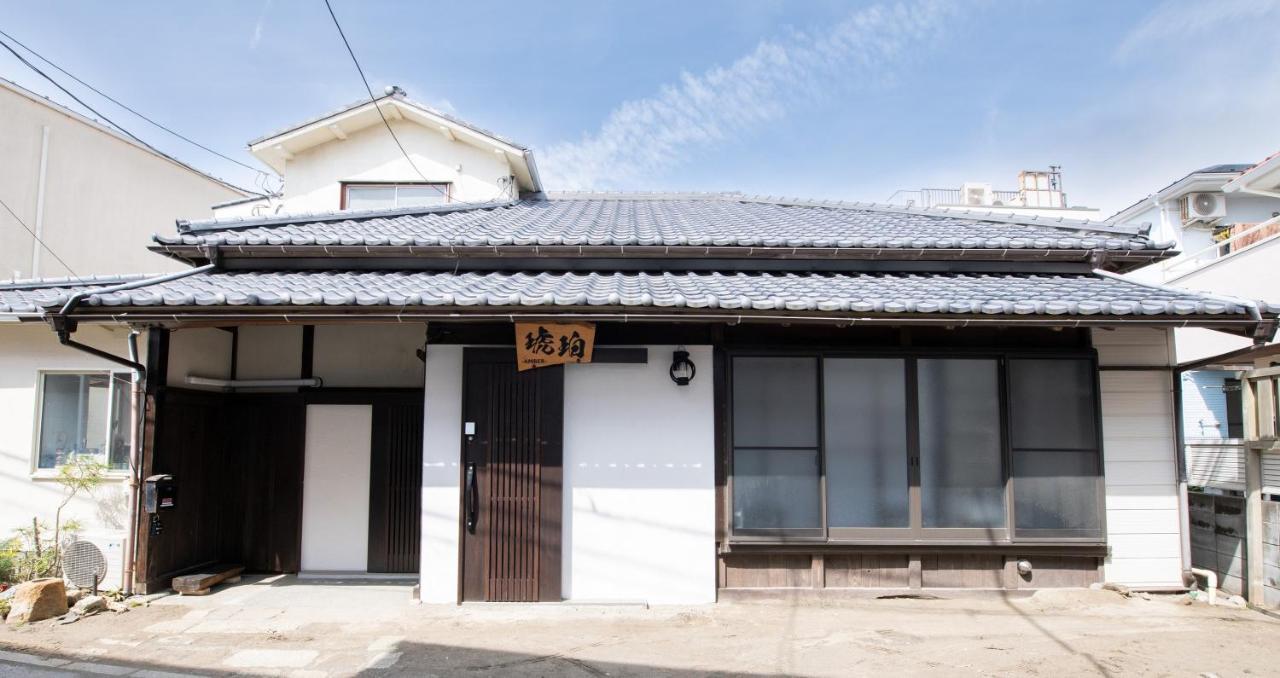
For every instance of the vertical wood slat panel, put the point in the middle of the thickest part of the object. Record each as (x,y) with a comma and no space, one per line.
(512,491)
(514,553)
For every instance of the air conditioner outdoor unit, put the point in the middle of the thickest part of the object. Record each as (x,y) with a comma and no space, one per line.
(111,543)
(1203,207)
(975,194)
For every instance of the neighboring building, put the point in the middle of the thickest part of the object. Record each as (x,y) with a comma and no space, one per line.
(95,197)
(1225,219)
(1040,194)
(782,395)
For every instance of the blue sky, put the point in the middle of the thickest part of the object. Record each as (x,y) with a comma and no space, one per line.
(814,99)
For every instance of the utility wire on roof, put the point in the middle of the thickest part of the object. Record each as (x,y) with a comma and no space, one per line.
(374,99)
(42,243)
(506,190)
(108,97)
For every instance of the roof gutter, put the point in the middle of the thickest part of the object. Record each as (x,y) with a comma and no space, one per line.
(65,326)
(1264,328)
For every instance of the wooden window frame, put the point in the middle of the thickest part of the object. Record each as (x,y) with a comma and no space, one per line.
(915,533)
(344,186)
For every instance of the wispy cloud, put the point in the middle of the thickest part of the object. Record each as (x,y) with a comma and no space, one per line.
(258,25)
(1181,20)
(643,137)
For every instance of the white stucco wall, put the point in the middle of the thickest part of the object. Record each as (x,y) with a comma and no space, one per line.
(25,350)
(1143,515)
(335,488)
(639,482)
(202,352)
(441,460)
(314,176)
(369,355)
(269,352)
(103,197)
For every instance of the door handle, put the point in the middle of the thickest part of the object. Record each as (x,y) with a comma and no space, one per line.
(471,500)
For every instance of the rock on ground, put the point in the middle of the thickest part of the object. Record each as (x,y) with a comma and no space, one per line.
(90,605)
(38,600)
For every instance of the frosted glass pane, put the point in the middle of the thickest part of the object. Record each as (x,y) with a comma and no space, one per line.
(370,197)
(865,417)
(418,196)
(1056,490)
(776,489)
(1052,404)
(961,482)
(775,402)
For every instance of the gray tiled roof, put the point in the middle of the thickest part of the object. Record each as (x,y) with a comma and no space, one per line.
(667,220)
(28,296)
(400,97)
(896,293)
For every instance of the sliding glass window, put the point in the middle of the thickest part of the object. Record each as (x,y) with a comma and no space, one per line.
(1057,465)
(865,425)
(776,465)
(912,447)
(961,455)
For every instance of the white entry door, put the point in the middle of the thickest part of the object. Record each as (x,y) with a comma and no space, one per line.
(335,491)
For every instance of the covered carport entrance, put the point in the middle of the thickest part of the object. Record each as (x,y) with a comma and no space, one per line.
(277,470)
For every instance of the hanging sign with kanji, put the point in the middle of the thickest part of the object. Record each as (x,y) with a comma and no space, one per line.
(543,344)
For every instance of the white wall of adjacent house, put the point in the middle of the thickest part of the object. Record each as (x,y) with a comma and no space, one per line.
(1144,519)
(27,353)
(94,197)
(315,176)
(639,483)
(1249,274)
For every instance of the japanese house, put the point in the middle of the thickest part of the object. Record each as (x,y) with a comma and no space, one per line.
(780,394)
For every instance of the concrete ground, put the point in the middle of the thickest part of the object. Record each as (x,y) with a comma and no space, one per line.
(283,626)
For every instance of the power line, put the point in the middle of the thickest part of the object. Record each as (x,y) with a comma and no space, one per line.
(373,98)
(108,97)
(42,243)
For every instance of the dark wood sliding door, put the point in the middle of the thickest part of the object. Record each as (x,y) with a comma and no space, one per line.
(512,452)
(395,483)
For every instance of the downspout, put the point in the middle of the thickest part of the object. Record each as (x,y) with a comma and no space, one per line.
(65,326)
(39,225)
(137,406)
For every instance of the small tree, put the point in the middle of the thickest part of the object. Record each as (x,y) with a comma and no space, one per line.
(32,554)
(81,474)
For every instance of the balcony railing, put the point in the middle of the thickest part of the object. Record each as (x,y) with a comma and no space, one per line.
(1247,238)
(933,197)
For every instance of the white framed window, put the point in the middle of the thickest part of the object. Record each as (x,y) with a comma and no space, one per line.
(382,196)
(83,414)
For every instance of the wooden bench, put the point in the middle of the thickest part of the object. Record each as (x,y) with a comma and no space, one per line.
(202,582)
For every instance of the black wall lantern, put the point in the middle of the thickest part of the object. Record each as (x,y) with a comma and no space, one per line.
(682,369)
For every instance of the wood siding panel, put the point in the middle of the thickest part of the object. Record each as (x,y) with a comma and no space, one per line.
(768,571)
(395,487)
(867,570)
(962,570)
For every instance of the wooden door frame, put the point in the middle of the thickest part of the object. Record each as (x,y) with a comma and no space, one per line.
(551,489)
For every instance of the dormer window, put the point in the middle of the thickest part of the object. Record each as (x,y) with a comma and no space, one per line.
(372,196)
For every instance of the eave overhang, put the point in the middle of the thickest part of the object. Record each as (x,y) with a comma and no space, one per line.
(637,257)
(205,316)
